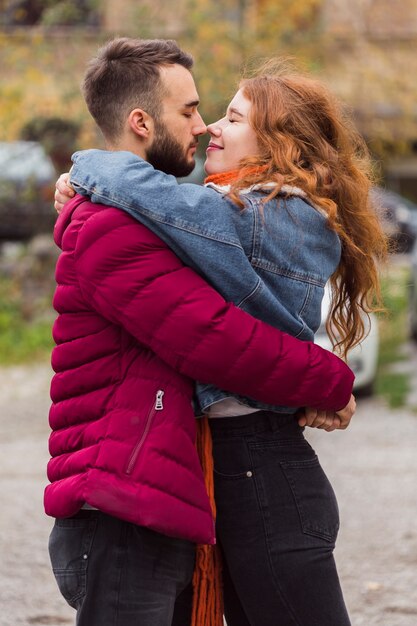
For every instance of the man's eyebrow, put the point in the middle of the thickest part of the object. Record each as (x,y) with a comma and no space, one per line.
(235,112)
(194,103)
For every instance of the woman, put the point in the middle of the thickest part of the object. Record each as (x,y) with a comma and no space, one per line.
(292,179)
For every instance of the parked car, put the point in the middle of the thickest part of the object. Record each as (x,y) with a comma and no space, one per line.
(363,358)
(27,182)
(398,216)
(413,294)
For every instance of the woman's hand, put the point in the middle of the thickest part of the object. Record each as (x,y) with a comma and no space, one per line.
(63,192)
(328,420)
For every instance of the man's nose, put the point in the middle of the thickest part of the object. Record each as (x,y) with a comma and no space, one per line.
(199,127)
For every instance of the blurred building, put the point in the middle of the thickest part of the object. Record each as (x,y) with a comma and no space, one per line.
(365,49)
(371,61)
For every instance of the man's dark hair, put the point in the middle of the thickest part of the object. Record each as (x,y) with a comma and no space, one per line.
(125,75)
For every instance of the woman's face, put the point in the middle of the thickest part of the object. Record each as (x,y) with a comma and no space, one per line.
(231,138)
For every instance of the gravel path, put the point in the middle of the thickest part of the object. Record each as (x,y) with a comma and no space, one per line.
(372,466)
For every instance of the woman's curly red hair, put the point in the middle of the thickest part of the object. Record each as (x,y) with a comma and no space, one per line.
(307,140)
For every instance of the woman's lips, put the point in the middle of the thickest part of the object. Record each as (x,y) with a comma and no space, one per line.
(213,146)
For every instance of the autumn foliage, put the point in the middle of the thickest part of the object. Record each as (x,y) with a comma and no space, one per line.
(351,47)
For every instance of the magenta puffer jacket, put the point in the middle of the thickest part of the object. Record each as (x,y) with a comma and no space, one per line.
(135,327)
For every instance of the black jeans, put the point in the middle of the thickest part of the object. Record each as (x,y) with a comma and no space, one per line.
(119,574)
(277,522)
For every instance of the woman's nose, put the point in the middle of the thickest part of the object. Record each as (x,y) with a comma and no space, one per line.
(214,129)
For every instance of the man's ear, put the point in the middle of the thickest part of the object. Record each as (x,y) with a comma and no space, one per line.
(141,124)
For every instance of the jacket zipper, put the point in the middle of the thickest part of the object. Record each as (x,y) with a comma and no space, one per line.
(157,406)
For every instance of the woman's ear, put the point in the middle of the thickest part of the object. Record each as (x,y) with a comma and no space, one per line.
(141,124)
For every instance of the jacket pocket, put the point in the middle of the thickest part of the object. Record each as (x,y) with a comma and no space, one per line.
(70,544)
(314,498)
(157,405)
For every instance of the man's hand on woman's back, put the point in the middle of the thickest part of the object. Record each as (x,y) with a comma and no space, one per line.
(329,420)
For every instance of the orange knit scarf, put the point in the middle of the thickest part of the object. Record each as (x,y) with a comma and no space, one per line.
(207,579)
(227,178)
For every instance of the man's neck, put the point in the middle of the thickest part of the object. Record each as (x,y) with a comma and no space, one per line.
(128,146)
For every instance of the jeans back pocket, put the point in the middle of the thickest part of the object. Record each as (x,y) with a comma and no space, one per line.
(314,498)
(69,547)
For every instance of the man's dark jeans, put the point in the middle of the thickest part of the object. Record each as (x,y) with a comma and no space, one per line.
(119,574)
(277,522)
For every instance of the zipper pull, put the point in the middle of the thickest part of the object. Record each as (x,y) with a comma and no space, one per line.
(158,404)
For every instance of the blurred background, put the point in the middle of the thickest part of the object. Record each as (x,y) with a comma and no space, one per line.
(366,51)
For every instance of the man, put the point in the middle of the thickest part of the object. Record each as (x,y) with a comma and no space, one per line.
(134,327)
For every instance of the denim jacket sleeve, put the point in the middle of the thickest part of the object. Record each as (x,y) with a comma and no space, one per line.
(197,223)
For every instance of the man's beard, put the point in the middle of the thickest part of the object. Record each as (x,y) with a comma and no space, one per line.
(167,154)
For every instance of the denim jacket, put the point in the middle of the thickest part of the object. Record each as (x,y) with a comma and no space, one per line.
(271,259)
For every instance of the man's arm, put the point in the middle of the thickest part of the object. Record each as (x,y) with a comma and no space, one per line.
(133,279)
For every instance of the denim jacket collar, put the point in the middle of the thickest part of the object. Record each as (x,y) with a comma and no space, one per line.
(286,190)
